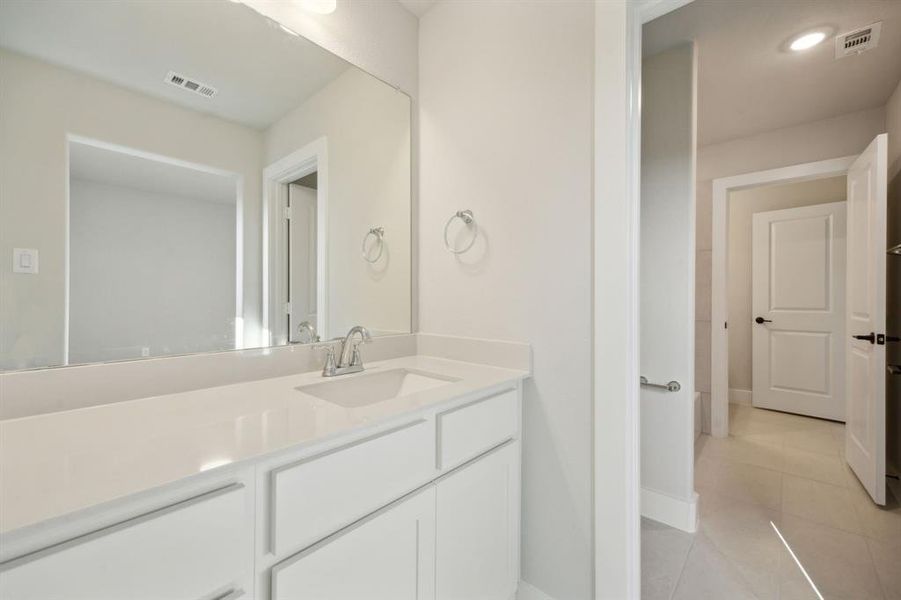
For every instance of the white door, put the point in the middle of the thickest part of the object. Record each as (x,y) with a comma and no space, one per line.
(865,430)
(390,556)
(798,306)
(478,518)
(301,260)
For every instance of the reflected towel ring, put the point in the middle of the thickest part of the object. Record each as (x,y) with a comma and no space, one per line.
(466,217)
(379,233)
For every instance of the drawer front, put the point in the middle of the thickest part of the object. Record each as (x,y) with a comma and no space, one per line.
(193,550)
(319,495)
(470,430)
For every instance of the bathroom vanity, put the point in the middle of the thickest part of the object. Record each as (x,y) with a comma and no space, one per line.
(398,482)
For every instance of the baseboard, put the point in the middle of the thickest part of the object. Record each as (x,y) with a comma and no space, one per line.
(528,591)
(669,510)
(737,396)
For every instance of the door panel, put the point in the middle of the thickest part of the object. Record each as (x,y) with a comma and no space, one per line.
(798,287)
(867,241)
(389,556)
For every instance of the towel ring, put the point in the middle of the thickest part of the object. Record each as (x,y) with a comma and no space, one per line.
(466,217)
(379,233)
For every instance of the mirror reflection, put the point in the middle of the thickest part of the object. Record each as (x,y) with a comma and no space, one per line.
(180,177)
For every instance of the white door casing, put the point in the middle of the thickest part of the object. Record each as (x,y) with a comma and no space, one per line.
(798,300)
(867,240)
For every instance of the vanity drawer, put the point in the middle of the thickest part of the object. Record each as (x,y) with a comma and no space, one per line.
(317,496)
(191,550)
(470,430)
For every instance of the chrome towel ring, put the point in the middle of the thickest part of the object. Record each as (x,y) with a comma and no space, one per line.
(379,234)
(468,219)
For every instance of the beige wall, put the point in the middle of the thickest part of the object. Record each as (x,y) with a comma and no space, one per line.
(844,135)
(506,94)
(893,127)
(40,105)
(742,207)
(367,127)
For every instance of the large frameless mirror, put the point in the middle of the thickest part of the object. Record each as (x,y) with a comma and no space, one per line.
(181,177)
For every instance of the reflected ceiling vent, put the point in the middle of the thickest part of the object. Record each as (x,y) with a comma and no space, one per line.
(191,85)
(857,41)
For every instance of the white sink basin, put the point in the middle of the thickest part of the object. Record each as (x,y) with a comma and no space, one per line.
(363,390)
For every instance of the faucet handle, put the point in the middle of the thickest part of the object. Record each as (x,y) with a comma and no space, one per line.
(329,368)
(356,359)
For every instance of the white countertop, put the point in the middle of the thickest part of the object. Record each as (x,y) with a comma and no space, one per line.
(55,464)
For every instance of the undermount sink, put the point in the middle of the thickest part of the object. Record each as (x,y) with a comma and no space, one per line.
(370,388)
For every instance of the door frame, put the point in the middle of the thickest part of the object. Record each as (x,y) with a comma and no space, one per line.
(719,308)
(616,223)
(276,177)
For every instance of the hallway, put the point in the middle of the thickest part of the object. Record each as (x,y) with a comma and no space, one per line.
(777,477)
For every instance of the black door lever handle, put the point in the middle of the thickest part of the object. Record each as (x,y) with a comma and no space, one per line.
(761,320)
(867,338)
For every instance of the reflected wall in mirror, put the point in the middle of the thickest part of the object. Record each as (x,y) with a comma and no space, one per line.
(180,177)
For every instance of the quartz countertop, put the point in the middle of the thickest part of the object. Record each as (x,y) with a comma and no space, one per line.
(56,464)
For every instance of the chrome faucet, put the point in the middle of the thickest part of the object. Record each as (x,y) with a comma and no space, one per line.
(349,360)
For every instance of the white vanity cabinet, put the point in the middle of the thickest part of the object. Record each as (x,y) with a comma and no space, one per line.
(424,507)
(192,550)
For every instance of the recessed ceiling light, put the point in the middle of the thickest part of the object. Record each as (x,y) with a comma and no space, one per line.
(322,7)
(808,40)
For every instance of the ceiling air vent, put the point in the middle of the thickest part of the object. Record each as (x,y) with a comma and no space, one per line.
(191,85)
(857,41)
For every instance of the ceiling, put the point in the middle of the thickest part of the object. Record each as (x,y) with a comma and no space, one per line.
(111,167)
(418,7)
(748,82)
(261,71)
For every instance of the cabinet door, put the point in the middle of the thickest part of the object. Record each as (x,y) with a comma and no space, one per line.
(477,528)
(388,556)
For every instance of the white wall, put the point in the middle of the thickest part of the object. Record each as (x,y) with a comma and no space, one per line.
(506,107)
(380,37)
(743,205)
(148,270)
(819,140)
(667,284)
(48,103)
(367,126)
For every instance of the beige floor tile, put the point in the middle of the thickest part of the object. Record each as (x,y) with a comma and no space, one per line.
(664,551)
(837,561)
(887,557)
(761,450)
(813,465)
(819,502)
(741,482)
(881,523)
(813,440)
(744,535)
(708,575)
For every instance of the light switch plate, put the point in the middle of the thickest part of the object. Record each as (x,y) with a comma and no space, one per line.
(25,260)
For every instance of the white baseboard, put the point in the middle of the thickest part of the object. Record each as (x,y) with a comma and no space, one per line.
(528,591)
(737,396)
(669,510)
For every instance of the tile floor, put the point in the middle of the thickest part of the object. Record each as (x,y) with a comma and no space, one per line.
(776,475)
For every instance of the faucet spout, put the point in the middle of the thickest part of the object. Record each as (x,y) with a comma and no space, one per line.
(347,348)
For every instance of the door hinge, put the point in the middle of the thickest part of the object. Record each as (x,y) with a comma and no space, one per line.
(287,308)
(287,213)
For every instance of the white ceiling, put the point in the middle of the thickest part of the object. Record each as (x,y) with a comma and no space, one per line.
(418,7)
(748,82)
(261,71)
(100,165)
